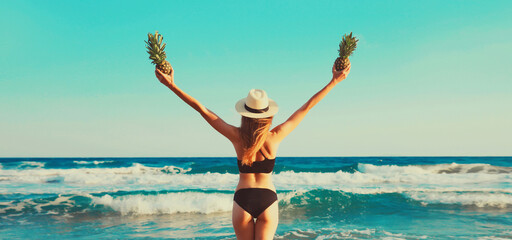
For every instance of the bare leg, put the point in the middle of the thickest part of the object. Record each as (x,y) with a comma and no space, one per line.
(243,223)
(266,223)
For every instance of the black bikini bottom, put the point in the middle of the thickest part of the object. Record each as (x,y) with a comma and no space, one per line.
(255,200)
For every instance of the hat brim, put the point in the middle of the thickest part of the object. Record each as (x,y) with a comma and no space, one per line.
(272,109)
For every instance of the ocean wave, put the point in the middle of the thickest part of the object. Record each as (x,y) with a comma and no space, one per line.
(139,203)
(380,177)
(347,201)
(169,203)
(137,173)
(474,199)
(452,168)
(38,205)
(371,180)
(95,162)
(31,164)
(369,174)
(293,203)
(330,233)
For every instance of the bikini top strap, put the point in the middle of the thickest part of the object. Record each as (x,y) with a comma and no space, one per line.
(263,155)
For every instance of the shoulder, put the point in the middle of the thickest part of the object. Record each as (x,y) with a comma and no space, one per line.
(272,139)
(236,139)
(271,145)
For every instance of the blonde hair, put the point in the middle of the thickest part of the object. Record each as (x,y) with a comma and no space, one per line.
(253,132)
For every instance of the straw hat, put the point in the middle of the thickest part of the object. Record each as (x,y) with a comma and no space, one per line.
(256,105)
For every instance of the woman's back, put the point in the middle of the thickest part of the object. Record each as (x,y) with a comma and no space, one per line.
(259,175)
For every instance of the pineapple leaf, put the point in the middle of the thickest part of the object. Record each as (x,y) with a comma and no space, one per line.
(155,48)
(347,45)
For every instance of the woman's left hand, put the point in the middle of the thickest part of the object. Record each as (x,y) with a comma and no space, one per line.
(338,76)
(165,79)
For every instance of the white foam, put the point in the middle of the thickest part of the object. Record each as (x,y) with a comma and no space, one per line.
(330,233)
(452,168)
(169,203)
(38,206)
(37,165)
(137,173)
(58,201)
(180,202)
(11,206)
(477,199)
(95,162)
(383,178)
(494,238)
(380,190)
(392,234)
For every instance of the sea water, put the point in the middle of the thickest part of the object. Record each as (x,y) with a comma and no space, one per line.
(319,198)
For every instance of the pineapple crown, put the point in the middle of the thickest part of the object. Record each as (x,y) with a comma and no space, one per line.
(347,45)
(156,48)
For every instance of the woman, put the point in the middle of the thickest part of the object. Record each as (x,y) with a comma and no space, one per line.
(256,147)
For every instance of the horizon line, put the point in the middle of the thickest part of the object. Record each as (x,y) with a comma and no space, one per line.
(290,156)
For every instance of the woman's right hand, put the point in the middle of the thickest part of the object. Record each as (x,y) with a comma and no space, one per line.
(165,79)
(338,76)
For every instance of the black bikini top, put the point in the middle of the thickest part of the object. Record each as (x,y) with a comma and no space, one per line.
(265,166)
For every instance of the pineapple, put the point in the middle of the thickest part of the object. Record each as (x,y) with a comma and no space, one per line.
(157,53)
(347,46)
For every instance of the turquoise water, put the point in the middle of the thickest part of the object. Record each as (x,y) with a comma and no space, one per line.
(319,198)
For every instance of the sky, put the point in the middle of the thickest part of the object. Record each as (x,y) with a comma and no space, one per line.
(428,78)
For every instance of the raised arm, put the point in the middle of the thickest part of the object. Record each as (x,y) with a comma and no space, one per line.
(215,121)
(281,131)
